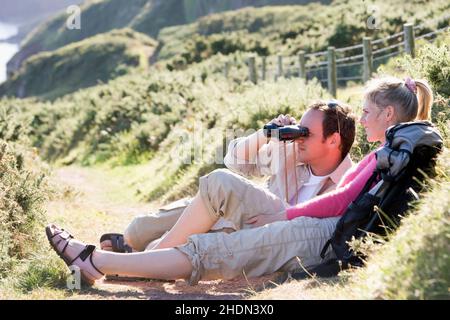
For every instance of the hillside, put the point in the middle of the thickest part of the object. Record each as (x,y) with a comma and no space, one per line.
(147,16)
(288,29)
(82,64)
(265,31)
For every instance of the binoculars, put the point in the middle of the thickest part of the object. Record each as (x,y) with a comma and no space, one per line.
(285,133)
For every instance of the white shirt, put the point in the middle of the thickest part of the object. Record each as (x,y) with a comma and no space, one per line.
(310,188)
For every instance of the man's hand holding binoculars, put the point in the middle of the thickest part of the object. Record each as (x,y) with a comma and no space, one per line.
(284,120)
(285,128)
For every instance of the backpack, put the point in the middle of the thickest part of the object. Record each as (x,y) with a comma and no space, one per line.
(411,149)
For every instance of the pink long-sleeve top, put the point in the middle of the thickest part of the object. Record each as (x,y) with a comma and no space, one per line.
(336,202)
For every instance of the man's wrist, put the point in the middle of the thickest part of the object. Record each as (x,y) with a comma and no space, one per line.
(261,136)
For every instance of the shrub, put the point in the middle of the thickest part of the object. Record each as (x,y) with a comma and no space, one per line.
(22,194)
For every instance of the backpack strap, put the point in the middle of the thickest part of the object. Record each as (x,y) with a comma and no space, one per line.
(372,179)
(325,248)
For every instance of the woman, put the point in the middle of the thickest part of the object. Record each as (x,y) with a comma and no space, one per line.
(387,101)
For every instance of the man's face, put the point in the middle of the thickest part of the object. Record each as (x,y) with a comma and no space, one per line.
(313,148)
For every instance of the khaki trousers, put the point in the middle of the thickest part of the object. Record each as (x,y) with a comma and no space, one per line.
(232,199)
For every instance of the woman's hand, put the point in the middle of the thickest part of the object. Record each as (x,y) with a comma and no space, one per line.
(262,219)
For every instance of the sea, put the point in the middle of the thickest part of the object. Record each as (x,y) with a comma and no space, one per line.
(7,50)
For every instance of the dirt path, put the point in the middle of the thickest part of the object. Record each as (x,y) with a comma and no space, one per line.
(94,206)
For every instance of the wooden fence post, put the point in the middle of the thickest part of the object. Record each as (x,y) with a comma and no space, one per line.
(280,66)
(226,69)
(301,65)
(332,78)
(368,63)
(409,39)
(252,70)
(263,68)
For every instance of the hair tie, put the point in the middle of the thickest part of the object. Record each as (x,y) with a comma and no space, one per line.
(411,85)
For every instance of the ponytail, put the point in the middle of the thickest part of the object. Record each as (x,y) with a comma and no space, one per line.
(425,99)
(411,99)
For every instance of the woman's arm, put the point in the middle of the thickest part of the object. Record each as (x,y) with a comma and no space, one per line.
(330,204)
(354,171)
(335,202)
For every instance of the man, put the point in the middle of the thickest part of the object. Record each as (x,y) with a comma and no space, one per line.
(259,245)
(312,165)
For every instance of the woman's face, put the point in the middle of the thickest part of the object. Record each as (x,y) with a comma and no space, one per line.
(375,121)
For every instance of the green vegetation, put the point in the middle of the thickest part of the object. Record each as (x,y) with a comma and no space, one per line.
(137,118)
(264,31)
(146,16)
(432,64)
(23,192)
(288,29)
(163,127)
(98,17)
(82,64)
(415,263)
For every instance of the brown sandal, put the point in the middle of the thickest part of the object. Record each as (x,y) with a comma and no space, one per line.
(60,239)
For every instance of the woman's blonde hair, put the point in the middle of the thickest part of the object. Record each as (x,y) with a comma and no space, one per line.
(411,99)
